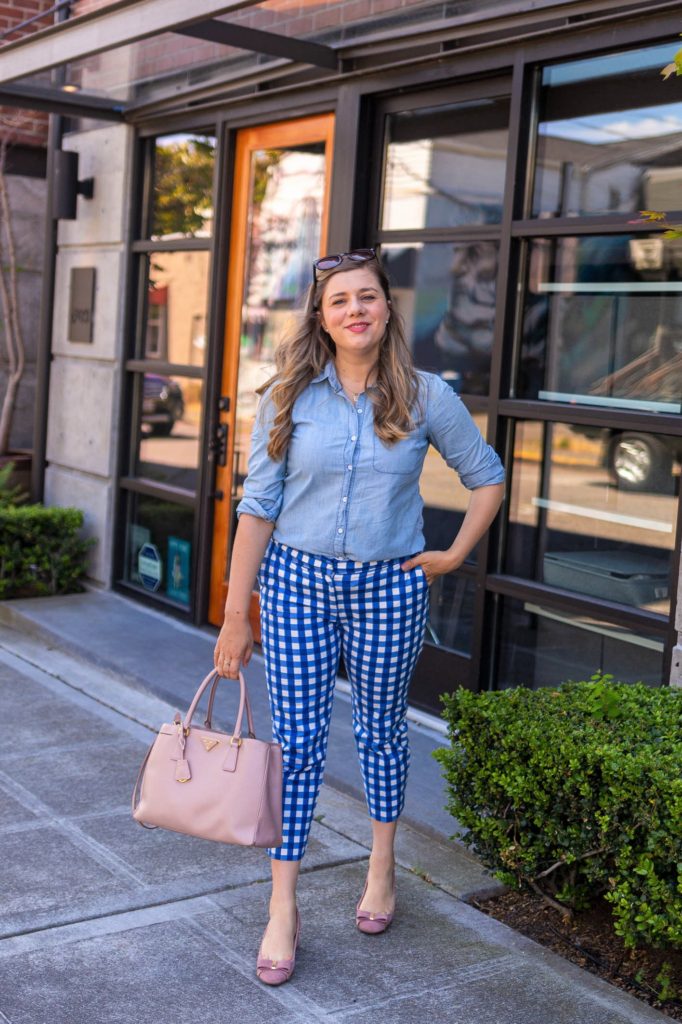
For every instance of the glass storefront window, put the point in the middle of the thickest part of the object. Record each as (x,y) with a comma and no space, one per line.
(445,166)
(451,613)
(158,552)
(446,293)
(609,137)
(594,510)
(182,202)
(541,646)
(177,300)
(602,322)
(169,430)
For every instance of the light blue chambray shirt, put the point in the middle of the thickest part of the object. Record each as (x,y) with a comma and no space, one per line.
(340,491)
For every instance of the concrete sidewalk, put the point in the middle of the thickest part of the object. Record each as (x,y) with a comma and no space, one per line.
(103,922)
(160,655)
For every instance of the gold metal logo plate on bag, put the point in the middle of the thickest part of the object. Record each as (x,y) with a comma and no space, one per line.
(209,744)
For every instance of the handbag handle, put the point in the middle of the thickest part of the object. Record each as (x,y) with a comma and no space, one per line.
(243,702)
(208,721)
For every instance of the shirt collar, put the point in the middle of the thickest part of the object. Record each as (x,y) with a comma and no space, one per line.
(329,373)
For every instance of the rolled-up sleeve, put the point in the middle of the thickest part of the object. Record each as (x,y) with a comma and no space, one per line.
(264,484)
(454,434)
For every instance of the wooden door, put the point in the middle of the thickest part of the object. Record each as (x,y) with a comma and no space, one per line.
(280,208)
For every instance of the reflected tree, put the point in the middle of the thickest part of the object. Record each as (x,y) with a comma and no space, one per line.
(183,186)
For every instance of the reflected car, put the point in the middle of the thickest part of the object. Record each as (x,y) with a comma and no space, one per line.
(162,404)
(636,460)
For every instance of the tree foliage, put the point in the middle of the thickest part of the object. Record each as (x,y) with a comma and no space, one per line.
(183,186)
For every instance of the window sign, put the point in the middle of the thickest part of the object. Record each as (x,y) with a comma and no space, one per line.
(150,566)
(179,552)
(138,537)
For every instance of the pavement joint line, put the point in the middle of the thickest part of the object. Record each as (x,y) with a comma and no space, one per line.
(4,1019)
(496,965)
(228,891)
(106,924)
(115,864)
(286,995)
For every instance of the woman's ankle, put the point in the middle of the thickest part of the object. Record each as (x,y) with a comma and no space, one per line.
(282,905)
(382,859)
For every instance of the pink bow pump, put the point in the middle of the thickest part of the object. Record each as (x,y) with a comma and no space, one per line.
(371,922)
(276,972)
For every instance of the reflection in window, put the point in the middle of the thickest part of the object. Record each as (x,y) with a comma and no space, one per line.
(599,516)
(603,322)
(445,293)
(182,204)
(159,547)
(177,297)
(445,166)
(541,646)
(169,430)
(451,613)
(285,215)
(609,139)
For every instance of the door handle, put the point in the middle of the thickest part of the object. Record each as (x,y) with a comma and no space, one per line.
(217,446)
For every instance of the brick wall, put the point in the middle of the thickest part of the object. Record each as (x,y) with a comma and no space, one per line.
(25,127)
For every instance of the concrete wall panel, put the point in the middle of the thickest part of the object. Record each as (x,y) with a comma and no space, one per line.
(80,425)
(106,334)
(67,488)
(103,155)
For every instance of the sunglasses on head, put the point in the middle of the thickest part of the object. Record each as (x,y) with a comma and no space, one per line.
(336,259)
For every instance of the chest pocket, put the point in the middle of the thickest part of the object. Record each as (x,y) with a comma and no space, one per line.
(404,458)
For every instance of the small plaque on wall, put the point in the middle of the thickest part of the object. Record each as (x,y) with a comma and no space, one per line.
(81,304)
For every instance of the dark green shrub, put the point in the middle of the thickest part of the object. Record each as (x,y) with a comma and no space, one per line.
(10,493)
(41,551)
(576,793)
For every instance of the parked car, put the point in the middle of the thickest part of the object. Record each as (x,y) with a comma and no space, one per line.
(162,404)
(638,461)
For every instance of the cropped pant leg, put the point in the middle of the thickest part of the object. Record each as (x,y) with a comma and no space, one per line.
(301,647)
(384,615)
(311,608)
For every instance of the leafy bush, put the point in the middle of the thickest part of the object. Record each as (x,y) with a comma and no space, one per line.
(576,793)
(40,551)
(10,493)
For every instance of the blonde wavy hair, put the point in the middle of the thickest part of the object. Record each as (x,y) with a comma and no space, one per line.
(303,352)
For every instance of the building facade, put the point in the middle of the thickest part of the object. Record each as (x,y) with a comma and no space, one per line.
(499,157)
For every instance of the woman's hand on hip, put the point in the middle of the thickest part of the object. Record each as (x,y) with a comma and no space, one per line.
(234,646)
(432,564)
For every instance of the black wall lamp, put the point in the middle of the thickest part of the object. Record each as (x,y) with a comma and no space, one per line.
(66,187)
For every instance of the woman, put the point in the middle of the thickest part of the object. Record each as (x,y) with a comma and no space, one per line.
(330,522)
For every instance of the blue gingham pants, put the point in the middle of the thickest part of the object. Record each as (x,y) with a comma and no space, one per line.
(312,608)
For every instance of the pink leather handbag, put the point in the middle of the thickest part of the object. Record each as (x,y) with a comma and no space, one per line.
(212,784)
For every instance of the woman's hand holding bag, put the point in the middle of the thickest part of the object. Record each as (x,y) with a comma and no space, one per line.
(211,784)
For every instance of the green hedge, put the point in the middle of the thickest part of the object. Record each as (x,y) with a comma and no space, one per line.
(40,551)
(576,793)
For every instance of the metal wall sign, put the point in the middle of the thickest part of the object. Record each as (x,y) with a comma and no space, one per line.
(81,304)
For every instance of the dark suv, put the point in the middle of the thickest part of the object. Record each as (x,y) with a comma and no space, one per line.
(162,403)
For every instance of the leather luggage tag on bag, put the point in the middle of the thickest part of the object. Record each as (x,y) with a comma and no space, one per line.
(182,772)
